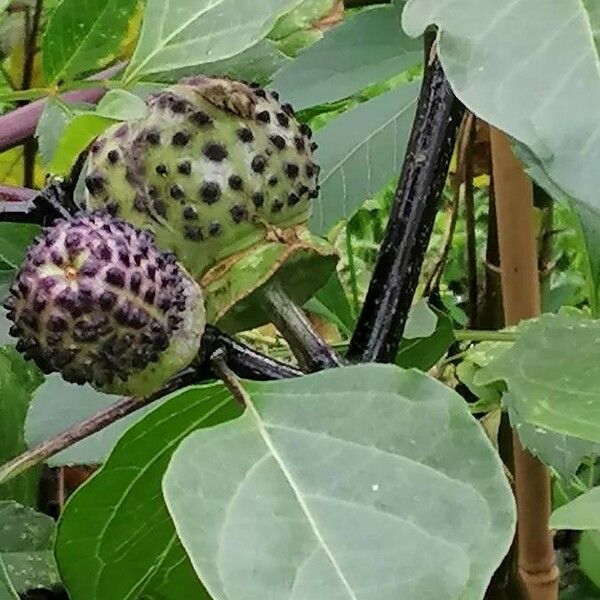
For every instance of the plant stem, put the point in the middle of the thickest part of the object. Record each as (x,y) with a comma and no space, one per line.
(19,124)
(361,3)
(69,437)
(312,353)
(245,361)
(381,323)
(352,268)
(476,335)
(521,299)
(471,242)
(228,377)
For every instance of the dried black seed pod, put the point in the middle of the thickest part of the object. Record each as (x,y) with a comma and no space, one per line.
(104,313)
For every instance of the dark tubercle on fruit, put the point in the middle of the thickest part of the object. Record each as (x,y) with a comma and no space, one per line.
(106,312)
(215,151)
(210,192)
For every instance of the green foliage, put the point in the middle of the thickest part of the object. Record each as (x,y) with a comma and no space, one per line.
(26,559)
(553,344)
(115,538)
(79,39)
(292,458)
(367,48)
(18,380)
(348,145)
(196,32)
(565,144)
(259,504)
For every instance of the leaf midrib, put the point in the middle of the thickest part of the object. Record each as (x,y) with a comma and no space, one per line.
(262,430)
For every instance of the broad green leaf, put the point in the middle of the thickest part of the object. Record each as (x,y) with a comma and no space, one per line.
(300,27)
(587,220)
(26,542)
(367,48)
(358,482)
(115,538)
(80,131)
(421,321)
(537,57)
(589,557)
(121,105)
(18,380)
(257,63)
(184,33)
(581,513)
(564,453)
(424,352)
(551,374)
(57,405)
(51,126)
(14,239)
(7,591)
(360,151)
(332,304)
(83,38)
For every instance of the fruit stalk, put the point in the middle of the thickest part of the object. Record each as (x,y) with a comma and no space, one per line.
(311,351)
(383,317)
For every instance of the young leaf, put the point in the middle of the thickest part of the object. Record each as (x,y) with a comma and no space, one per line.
(79,133)
(18,380)
(322,470)
(79,39)
(581,513)
(14,239)
(360,151)
(121,105)
(367,48)
(332,304)
(550,372)
(51,126)
(115,538)
(26,557)
(184,33)
(490,45)
(424,352)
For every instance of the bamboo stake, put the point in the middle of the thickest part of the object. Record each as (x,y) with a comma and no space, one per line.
(521,300)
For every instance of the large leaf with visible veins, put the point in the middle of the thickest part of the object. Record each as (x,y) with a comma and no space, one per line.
(531,68)
(358,483)
(183,33)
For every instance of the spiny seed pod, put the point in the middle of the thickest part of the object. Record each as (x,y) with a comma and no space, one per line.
(96,301)
(216,170)
(213,164)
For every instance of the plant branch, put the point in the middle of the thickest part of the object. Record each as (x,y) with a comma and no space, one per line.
(471,242)
(477,335)
(312,353)
(396,274)
(19,124)
(521,299)
(245,362)
(361,3)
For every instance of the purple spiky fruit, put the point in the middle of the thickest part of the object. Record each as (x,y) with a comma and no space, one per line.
(96,301)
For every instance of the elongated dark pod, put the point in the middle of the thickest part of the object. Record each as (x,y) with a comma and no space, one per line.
(381,323)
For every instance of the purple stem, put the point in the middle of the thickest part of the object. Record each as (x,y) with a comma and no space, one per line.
(19,124)
(8,193)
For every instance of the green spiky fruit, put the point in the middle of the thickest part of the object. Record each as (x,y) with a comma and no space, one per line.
(217,169)
(96,301)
